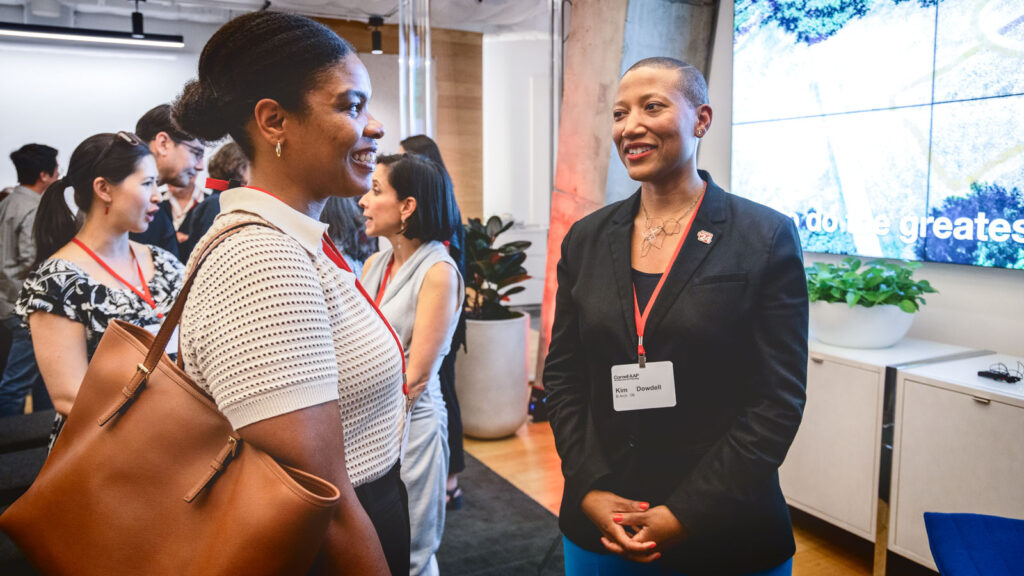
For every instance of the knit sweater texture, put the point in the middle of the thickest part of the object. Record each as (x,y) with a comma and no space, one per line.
(270,327)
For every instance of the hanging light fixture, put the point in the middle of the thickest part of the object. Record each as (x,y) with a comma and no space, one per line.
(375,37)
(137,37)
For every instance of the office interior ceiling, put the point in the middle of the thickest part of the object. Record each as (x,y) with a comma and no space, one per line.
(472,15)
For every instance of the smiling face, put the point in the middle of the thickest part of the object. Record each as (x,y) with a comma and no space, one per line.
(381,207)
(654,125)
(178,162)
(134,201)
(333,144)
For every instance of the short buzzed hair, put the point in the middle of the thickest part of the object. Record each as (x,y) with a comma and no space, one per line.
(692,85)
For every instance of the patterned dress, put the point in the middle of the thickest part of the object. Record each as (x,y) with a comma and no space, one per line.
(60,287)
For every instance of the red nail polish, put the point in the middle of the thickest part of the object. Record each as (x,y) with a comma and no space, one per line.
(644,505)
(617,518)
(658,555)
(652,545)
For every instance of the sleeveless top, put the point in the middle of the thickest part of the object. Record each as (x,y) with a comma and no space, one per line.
(402,293)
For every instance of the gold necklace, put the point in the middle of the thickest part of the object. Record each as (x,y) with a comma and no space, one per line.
(660,228)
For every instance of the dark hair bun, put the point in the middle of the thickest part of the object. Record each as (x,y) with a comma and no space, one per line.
(257,55)
(198,112)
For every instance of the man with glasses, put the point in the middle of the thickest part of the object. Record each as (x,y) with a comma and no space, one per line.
(179,158)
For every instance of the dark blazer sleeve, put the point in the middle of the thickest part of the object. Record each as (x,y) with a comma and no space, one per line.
(742,463)
(568,392)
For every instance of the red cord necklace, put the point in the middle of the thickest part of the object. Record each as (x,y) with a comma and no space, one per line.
(144,294)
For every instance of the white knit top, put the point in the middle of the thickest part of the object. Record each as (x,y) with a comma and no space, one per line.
(272,325)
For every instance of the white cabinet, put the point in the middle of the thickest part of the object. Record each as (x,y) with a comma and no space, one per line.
(832,469)
(959,447)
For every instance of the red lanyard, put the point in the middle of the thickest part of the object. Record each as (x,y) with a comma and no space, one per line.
(384,282)
(144,294)
(334,254)
(641,319)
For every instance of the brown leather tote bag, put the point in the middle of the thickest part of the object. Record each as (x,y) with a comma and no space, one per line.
(148,477)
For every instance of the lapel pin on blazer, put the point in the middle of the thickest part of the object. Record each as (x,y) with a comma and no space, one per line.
(705,236)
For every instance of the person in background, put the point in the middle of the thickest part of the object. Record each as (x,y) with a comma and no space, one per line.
(36,165)
(179,201)
(425,146)
(179,158)
(85,276)
(419,288)
(677,368)
(228,164)
(277,328)
(347,229)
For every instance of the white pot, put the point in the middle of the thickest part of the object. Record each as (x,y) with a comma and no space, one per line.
(838,324)
(490,377)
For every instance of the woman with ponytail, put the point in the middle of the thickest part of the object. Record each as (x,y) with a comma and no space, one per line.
(87,271)
(276,327)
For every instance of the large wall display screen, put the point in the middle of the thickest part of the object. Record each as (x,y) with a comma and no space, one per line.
(888,128)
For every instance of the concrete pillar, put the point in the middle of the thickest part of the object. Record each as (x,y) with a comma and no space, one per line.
(593,57)
(605,38)
(659,28)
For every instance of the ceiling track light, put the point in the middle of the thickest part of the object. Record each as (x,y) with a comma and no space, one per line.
(137,37)
(137,22)
(375,37)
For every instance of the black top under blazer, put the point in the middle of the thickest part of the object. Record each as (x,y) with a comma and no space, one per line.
(732,318)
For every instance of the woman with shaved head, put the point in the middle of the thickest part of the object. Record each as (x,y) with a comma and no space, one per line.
(678,356)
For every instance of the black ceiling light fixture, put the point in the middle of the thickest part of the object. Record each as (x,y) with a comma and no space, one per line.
(137,22)
(137,37)
(375,38)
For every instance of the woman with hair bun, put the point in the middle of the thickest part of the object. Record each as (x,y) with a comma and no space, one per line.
(87,276)
(277,328)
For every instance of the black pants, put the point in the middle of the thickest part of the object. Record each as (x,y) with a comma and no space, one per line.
(387,505)
(456,458)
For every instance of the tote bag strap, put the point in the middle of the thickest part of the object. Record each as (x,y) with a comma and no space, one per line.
(156,349)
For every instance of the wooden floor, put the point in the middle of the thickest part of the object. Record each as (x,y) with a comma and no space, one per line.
(529,461)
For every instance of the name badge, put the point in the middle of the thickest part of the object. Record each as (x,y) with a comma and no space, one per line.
(636,388)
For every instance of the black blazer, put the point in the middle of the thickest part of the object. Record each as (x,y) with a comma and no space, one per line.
(732,318)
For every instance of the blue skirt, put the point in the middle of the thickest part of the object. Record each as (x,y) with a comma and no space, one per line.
(580,562)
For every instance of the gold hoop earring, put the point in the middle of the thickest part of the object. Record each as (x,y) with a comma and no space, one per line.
(277,149)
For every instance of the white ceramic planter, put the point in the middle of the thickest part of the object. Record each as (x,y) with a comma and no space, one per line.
(490,377)
(838,324)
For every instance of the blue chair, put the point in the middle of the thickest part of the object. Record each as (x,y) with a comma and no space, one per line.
(975,544)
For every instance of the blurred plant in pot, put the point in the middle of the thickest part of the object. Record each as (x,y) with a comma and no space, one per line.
(880,283)
(490,377)
(869,308)
(491,271)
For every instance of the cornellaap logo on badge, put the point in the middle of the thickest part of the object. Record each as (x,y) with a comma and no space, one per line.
(636,388)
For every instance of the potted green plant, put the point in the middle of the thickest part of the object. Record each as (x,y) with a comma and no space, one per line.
(864,306)
(491,375)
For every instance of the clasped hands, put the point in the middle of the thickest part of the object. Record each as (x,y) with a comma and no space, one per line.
(630,528)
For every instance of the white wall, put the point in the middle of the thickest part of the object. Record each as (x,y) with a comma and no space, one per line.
(976,307)
(516,117)
(383,69)
(60,95)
